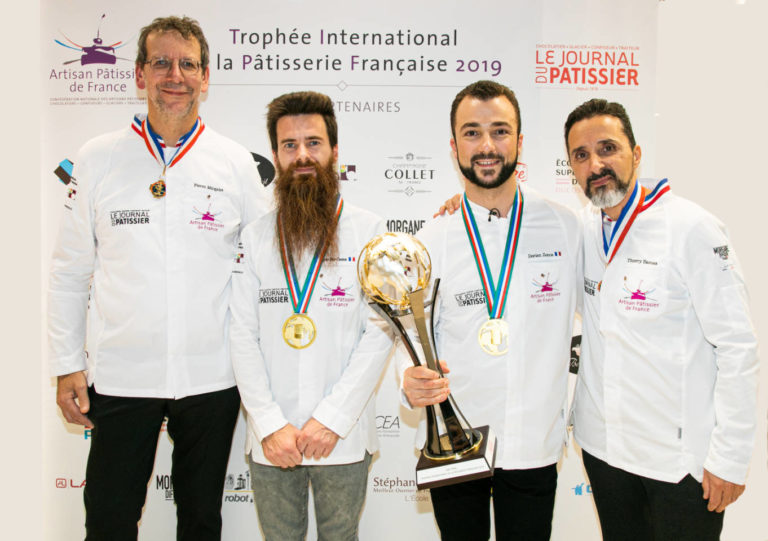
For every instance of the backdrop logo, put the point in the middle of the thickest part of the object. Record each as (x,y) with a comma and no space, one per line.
(565,182)
(62,482)
(347,172)
(587,67)
(573,366)
(582,489)
(91,77)
(237,488)
(388,426)
(98,53)
(409,174)
(404,226)
(265,167)
(164,485)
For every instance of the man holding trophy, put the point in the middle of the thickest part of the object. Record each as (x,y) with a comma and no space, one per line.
(509,265)
(306,349)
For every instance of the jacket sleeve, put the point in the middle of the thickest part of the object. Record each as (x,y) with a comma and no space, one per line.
(72,267)
(719,298)
(341,408)
(264,414)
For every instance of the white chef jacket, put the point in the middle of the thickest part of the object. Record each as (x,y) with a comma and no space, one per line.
(523,394)
(668,371)
(334,378)
(159,269)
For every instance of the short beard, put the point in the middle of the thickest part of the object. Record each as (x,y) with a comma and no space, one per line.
(306,208)
(506,171)
(606,196)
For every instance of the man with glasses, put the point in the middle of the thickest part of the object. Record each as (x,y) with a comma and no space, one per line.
(143,262)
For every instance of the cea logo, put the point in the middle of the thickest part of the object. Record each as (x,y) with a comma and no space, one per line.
(581,489)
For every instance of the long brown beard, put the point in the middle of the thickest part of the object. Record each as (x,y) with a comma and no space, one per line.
(306,206)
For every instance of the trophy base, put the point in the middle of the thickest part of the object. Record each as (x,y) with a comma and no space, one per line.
(475,463)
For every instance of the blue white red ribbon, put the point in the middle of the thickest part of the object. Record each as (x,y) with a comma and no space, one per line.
(640,200)
(495,294)
(156,145)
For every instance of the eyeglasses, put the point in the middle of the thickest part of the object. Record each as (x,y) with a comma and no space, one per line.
(163,66)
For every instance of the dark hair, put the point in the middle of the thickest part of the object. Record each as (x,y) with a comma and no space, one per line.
(599,107)
(186,27)
(484,91)
(302,103)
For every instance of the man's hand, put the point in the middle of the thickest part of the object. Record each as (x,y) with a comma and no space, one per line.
(450,206)
(280,447)
(719,492)
(72,398)
(425,387)
(316,440)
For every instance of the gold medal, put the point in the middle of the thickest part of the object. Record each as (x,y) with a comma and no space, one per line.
(299,331)
(494,337)
(157,189)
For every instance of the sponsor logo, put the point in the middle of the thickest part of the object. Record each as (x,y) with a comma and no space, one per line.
(129,217)
(237,488)
(544,288)
(273,296)
(470,298)
(92,76)
(722,252)
(265,167)
(397,486)
(638,298)
(565,182)
(98,53)
(339,296)
(573,366)
(348,172)
(164,485)
(521,172)
(239,259)
(587,67)
(64,173)
(207,219)
(62,482)
(591,287)
(409,174)
(582,489)
(388,426)
(404,226)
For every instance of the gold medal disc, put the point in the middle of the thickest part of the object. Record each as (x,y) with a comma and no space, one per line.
(299,331)
(494,337)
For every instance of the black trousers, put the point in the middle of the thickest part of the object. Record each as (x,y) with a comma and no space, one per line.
(522,505)
(122,455)
(636,508)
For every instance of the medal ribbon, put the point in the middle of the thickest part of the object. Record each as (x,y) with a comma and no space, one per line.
(639,201)
(300,296)
(495,294)
(157,147)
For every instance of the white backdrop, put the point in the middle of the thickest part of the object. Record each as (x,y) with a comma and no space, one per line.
(679,60)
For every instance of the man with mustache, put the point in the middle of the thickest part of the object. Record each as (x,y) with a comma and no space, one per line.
(664,408)
(528,251)
(143,261)
(306,349)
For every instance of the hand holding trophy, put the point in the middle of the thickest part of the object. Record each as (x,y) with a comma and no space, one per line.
(394,272)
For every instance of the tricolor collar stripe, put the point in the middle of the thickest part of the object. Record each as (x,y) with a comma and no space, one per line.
(660,189)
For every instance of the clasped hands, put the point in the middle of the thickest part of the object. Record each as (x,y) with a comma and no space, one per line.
(288,446)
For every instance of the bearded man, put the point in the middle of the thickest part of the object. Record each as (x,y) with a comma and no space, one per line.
(664,409)
(508,264)
(306,349)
